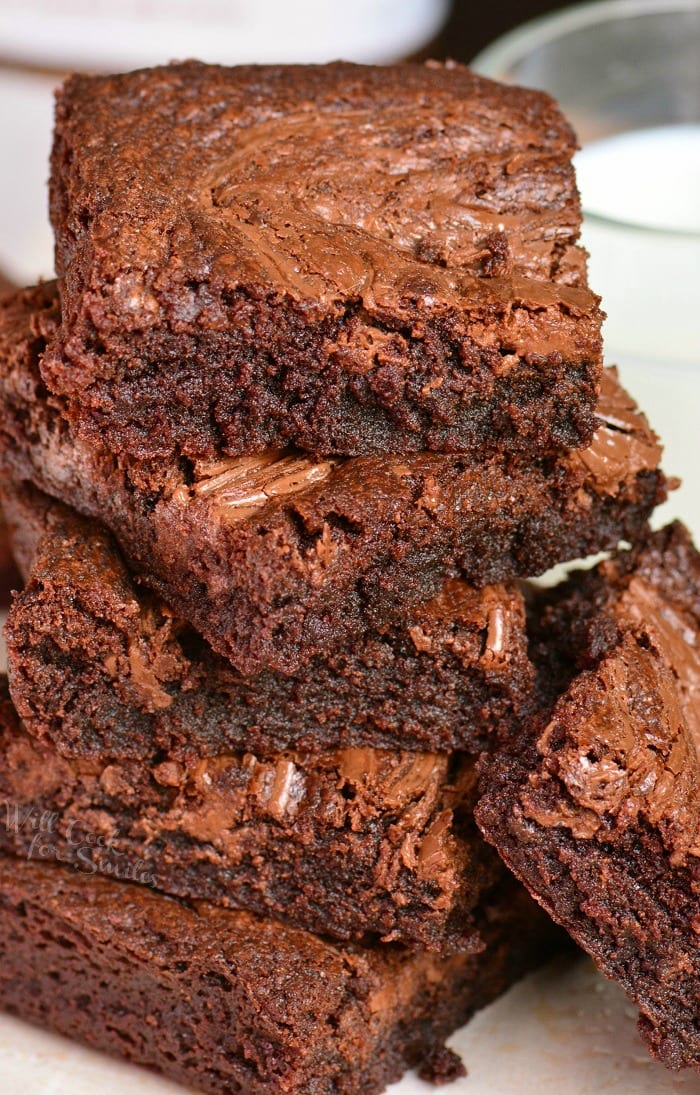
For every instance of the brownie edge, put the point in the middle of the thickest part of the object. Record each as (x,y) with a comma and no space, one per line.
(596,807)
(277,556)
(226,1002)
(347,259)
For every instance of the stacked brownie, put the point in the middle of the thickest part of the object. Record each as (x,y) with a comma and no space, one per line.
(319,381)
(596,806)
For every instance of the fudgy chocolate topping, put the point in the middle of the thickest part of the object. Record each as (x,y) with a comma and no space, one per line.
(623,444)
(409,165)
(300,160)
(643,607)
(630,756)
(319,255)
(242,485)
(402,776)
(145,681)
(290,208)
(496,610)
(622,447)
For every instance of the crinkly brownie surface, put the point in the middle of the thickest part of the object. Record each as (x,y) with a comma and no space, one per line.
(597,808)
(347,259)
(275,557)
(99,664)
(223,1001)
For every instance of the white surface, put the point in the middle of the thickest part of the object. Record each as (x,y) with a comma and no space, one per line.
(122,34)
(26,120)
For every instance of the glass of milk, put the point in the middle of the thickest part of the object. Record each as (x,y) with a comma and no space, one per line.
(627,74)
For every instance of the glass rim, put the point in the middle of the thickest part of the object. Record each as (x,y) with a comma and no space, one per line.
(652,230)
(516,44)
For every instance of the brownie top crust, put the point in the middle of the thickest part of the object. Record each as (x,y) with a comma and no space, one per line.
(632,723)
(623,439)
(350,260)
(324,182)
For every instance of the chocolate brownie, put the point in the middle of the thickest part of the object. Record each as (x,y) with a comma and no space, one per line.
(98,663)
(226,1002)
(598,808)
(352,843)
(276,556)
(351,260)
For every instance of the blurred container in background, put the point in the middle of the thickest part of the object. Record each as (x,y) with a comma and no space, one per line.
(627,74)
(114,35)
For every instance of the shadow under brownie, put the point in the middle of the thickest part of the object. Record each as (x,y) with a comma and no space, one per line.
(275,557)
(347,259)
(225,1001)
(596,807)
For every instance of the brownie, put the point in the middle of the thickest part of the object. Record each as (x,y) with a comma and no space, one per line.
(350,260)
(597,808)
(98,663)
(227,1002)
(352,843)
(9,579)
(277,556)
